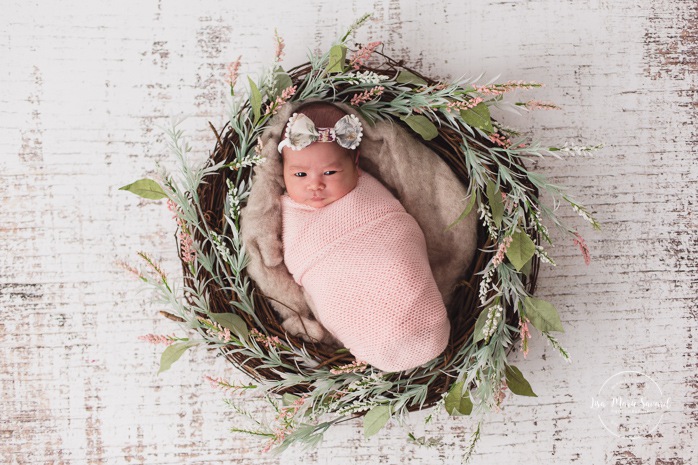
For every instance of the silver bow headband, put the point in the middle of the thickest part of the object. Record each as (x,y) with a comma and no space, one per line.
(301,132)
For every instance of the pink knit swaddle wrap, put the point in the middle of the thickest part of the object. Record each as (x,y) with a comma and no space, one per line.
(363,261)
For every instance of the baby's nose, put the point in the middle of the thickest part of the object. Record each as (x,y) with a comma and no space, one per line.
(316,186)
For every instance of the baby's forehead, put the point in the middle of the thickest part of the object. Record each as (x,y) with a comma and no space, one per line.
(316,153)
(306,165)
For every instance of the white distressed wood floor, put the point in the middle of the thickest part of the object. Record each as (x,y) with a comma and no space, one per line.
(83,88)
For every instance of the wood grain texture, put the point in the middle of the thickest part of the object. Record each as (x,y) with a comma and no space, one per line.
(83,89)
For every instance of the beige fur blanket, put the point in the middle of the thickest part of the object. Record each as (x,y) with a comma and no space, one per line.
(418,178)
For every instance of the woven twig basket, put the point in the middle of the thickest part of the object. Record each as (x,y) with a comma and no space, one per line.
(463,310)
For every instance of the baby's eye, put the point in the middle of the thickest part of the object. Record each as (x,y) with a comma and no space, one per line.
(328,173)
(300,174)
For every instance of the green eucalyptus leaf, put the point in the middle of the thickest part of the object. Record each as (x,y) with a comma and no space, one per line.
(458,402)
(255,99)
(231,321)
(288,399)
(338,55)
(542,315)
(526,269)
(422,126)
(407,77)
(375,419)
(283,81)
(478,117)
(517,383)
(520,250)
(496,204)
(146,188)
(471,203)
(479,325)
(172,353)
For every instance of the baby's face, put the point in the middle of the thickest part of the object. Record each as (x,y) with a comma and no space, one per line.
(318,174)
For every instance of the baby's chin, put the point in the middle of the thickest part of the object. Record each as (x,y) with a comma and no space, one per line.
(321,201)
(318,203)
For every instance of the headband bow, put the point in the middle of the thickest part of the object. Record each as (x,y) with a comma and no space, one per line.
(301,132)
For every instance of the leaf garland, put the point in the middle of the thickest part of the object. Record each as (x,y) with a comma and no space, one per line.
(482,356)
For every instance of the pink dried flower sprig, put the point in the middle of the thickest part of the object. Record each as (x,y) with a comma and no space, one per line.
(286,94)
(267,341)
(131,269)
(367,95)
(434,88)
(285,422)
(353,367)
(187,247)
(233,69)
(159,339)
(278,437)
(280,45)
(579,241)
(213,329)
(538,105)
(499,257)
(458,105)
(172,206)
(499,139)
(525,335)
(288,412)
(361,56)
(499,89)
(499,396)
(186,243)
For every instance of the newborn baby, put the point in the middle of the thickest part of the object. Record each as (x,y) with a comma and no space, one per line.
(360,257)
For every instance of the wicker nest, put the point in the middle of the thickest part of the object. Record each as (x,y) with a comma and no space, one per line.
(463,309)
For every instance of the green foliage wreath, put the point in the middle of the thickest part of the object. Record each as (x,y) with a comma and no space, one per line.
(310,393)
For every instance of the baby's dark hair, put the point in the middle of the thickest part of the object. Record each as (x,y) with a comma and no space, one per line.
(325,115)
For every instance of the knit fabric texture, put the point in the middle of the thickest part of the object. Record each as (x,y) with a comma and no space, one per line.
(363,262)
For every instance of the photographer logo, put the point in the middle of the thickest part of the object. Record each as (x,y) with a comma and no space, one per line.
(630,404)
